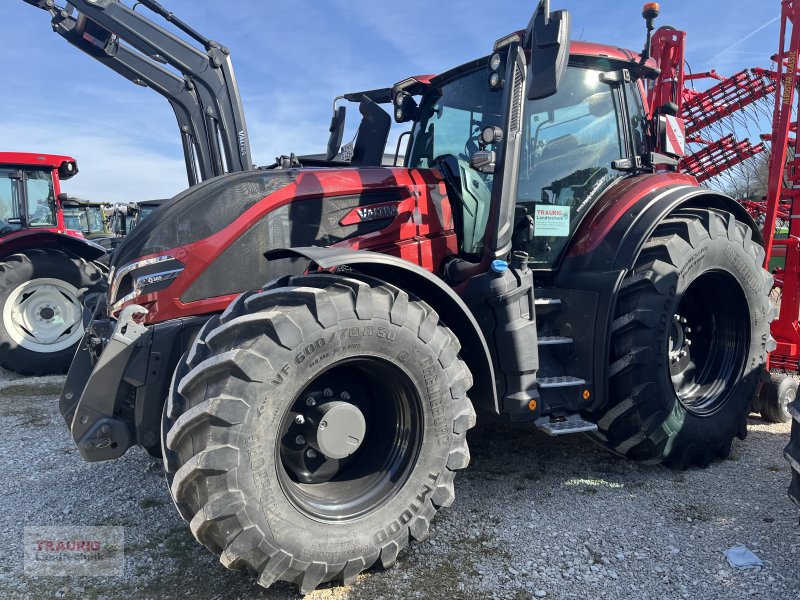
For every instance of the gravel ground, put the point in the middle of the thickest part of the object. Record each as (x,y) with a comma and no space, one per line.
(535,517)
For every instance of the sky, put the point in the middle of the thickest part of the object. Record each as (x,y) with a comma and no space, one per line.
(291,58)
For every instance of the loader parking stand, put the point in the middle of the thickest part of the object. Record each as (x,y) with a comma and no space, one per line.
(375,371)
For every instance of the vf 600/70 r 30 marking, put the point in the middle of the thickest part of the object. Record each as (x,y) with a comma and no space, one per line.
(346,334)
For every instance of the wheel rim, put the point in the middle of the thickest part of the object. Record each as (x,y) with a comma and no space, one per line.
(44,315)
(709,342)
(324,417)
(787,398)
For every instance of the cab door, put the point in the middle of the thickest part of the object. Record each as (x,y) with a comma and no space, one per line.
(571,141)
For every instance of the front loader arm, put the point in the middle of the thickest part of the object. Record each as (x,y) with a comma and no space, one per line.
(204,97)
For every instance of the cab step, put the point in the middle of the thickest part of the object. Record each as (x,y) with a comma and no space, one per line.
(560,382)
(547,305)
(547,301)
(565,426)
(554,340)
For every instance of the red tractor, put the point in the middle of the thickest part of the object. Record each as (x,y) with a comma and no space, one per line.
(45,268)
(309,343)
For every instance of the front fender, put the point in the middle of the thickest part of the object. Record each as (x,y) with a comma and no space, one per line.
(429,288)
(32,239)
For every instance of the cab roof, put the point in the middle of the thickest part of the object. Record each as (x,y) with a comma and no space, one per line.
(34,159)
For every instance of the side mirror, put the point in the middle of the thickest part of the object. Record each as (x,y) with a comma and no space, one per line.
(337,132)
(547,38)
(484,161)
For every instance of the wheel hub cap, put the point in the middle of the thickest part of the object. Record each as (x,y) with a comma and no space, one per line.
(44,315)
(336,429)
(679,341)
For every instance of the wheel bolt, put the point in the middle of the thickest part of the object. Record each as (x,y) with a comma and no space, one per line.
(688,342)
(344,396)
(299,440)
(323,425)
(688,329)
(299,419)
(684,320)
(676,318)
(682,353)
(310,401)
(311,453)
(328,392)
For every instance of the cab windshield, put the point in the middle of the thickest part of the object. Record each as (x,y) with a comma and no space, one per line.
(74,219)
(94,218)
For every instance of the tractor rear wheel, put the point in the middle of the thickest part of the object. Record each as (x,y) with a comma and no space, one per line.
(42,315)
(688,342)
(315,427)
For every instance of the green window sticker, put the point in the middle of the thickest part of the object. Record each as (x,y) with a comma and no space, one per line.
(551,221)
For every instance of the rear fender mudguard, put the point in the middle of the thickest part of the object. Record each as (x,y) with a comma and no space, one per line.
(73,246)
(629,225)
(427,287)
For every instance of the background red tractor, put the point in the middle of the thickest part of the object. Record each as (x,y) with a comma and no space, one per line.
(45,268)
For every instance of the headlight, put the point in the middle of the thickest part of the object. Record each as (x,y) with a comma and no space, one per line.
(142,277)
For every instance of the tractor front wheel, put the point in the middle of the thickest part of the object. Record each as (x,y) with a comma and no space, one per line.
(688,342)
(314,428)
(42,315)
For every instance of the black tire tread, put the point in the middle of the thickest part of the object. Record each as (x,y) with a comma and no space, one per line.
(290,310)
(633,425)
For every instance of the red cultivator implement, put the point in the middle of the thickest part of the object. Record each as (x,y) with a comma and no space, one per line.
(714,121)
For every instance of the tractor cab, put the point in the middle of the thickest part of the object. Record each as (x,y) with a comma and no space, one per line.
(29,186)
(46,263)
(560,149)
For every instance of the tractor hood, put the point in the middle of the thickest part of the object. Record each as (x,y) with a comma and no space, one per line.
(207,244)
(199,212)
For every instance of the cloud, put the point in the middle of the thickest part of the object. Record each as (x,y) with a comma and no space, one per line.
(111,169)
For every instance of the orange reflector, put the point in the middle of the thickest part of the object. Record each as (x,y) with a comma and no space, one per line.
(586,394)
(532,404)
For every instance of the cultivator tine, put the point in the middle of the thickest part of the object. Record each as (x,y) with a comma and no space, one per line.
(726,99)
(716,159)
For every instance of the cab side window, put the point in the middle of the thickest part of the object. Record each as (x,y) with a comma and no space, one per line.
(9,202)
(39,188)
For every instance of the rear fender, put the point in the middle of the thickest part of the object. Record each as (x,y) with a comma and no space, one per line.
(427,287)
(38,240)
(628,224)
